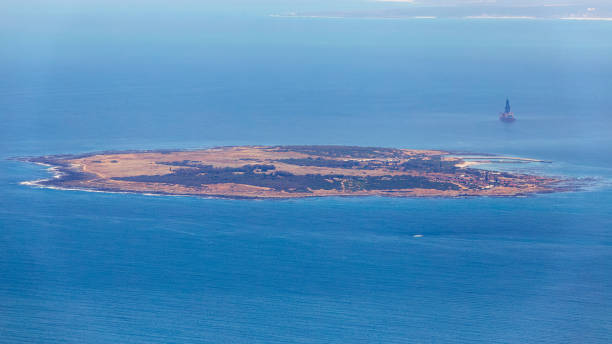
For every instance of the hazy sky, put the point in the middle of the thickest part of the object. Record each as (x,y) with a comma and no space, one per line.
(18,15)
(272,5)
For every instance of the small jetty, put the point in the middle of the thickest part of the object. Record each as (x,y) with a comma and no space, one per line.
(507,116)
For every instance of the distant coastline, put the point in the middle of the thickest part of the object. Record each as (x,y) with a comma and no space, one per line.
(414,17)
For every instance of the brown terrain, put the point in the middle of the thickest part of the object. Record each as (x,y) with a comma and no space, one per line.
(290,171)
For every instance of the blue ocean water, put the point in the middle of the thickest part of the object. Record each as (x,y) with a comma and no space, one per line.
(79,267)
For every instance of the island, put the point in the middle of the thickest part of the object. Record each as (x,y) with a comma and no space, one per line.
(260,172)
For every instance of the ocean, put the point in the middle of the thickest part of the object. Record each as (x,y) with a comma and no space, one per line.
(84,267)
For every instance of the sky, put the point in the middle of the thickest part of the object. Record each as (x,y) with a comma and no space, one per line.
(10,8)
